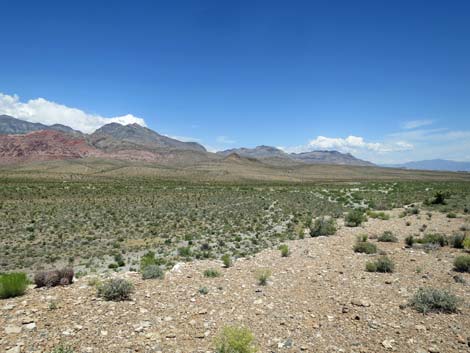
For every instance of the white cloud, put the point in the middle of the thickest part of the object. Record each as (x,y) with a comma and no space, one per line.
(40,110)
(413,124)
(350,144)
(225,140)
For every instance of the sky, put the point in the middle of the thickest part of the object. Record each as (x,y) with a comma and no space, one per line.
(388,81)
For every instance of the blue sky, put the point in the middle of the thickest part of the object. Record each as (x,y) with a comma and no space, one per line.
(388,81)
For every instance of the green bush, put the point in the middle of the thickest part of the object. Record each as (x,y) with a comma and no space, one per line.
(462,263)
(284,250)
(13,284)
(227,260)
(323,226)
(116,289)
(466,243)
(382,264)
(451,215)
(439,198)
(457,241)
(262,276)
(434,300)
(235,339)
(434,238)
(363,246)
(380,215)
(355,218)
(387,237)
(152,272)
(410,240)
(211,273)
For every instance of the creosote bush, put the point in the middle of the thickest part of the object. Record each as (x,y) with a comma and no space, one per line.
(262,276)
(211,273)
(115,289)
(13,284)
(63,349)
(382,264)
(364,246)
(323,226)
(152,272)
(380,215)
(457,240)
(235,339)
(434,300)
(355,218)
(284,250)
(434,238)
(227,260)
(388,237)
(462,263)
(409,241)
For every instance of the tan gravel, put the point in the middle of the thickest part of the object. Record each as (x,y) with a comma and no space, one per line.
(319,299)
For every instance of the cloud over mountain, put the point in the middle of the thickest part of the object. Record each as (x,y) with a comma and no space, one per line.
(49,113)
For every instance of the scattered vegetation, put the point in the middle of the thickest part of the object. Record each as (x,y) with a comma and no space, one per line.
(235,339)
(434,300)
(115,289)
(13,284)
(211,273)
(382,264)
(284,250)
(323,226)
(380,215)
(387,237)
(263,276)
(226,260)
(364,246)
(462,263)
(152,272)
(63,349)
(355,218)
(457,241)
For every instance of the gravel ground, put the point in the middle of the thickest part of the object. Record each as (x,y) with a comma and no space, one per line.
(319,299)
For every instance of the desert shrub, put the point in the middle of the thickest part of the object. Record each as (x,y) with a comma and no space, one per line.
(380,215)
(211,273)
(466,243)
(439,198)
(451,215)
(152,272)
(412,210)
(434,238)
(462,263)
(13,284)
(434,300)
(382,264)
(355,218)
(115,289)
(262,276)
(364,246)
(235,339)
(62,349)
(323,226)
(284,250)
(147,259)
(203,290)
(387,237)
(184,251)
(456,241)
(54,278)
(410,240)
(227,260)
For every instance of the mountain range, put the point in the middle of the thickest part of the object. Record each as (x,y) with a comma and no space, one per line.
(22,141)
(434,164)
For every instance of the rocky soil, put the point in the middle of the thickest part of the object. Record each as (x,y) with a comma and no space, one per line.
(319,299)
